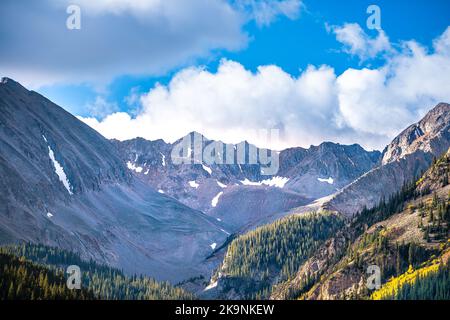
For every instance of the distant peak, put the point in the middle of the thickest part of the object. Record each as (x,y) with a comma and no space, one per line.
(325,145)
(10,83)
(6,80)
(329,144)
(432,116)
(427,135)
(440,107)
(192,133)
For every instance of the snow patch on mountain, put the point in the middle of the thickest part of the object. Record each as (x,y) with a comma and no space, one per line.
(194,184)
(215,200)
(247,182)
(211,286)
(133,167)
(207,169)
(330,180)
(59,170)
(220,184)
(278,182)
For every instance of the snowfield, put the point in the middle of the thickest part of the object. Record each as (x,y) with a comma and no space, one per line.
(278,182)
(215,200)
(59,170)
(207,169)
(133,167)
(330,180)
(194,184)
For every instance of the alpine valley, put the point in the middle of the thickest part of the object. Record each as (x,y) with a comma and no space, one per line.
(142,226)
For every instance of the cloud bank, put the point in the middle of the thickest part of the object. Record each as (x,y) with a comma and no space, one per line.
(121,37)
(367,106)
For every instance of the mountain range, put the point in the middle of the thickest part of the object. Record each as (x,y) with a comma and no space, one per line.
(245,197)
(131,205)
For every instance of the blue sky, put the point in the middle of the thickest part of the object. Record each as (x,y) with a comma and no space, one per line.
(304,34)
(293,44)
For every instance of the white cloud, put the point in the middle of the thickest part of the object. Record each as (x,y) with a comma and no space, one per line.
(122,37)
(358,43)
(116,38)
(387,99)
(442,43)
(231,104)
(265,12)
(366,106)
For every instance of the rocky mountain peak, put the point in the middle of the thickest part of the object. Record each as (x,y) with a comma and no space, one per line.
(6,80)
(409,154)
(422,135)
(10,85)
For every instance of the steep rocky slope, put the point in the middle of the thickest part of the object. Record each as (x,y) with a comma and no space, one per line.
(431,135)
(63,184)
(409,154)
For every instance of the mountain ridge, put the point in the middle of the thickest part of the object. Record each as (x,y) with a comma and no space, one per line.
(410,153)
(303,176)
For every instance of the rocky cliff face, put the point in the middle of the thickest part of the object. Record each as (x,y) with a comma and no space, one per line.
(63,184)
(431,135)
(409,154)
